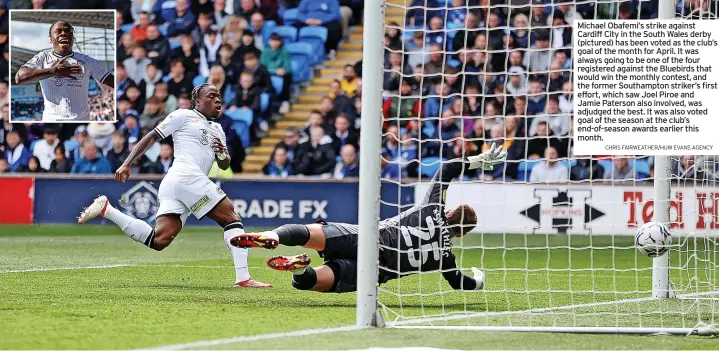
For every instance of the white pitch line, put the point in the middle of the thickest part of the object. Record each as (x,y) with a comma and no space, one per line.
(205,343)
(66,268)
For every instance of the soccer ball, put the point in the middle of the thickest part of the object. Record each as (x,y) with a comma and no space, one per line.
(653,239)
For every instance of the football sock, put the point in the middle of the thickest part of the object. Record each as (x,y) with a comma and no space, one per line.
(239,256)
(305,280)
(136,229)
(293,234)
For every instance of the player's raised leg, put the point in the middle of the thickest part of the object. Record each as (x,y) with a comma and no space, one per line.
(167,226)
(224,214)
(334,276)
(310,236)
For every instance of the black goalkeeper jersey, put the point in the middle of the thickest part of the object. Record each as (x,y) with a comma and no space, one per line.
(419,239)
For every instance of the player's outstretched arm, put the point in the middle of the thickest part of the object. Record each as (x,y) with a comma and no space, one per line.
(453,168)
(123,173)
(459,281)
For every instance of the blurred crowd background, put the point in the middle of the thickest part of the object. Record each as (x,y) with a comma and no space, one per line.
(458,75)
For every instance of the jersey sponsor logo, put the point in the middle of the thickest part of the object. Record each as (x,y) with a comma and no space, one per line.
(200,204)
(141,202)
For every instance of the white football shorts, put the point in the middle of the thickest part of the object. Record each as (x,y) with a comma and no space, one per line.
(182,193)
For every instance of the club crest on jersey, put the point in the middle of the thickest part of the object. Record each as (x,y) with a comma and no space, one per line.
(204,138)
(59,82)
(141,202)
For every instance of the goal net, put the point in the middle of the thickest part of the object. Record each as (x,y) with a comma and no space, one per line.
(555,234)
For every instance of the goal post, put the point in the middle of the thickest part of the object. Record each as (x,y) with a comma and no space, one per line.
(558,256)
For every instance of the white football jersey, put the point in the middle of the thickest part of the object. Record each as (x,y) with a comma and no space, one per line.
(192,135)
(66,99)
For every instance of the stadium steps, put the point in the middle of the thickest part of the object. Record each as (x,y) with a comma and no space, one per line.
(310,96)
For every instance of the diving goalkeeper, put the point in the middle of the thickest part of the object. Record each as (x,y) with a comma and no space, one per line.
(417,240)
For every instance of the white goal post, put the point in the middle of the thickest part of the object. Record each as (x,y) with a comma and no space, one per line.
(559,257)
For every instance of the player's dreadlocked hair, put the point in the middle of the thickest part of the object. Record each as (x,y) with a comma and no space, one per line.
(72,30)
(196,93)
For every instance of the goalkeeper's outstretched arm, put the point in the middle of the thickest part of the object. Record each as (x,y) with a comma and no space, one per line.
(456,279)
(454,168)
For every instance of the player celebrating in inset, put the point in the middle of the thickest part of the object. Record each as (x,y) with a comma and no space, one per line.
(186,188)
(417,240)
(64,76)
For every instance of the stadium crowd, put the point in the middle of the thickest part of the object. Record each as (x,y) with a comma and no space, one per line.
(459,74)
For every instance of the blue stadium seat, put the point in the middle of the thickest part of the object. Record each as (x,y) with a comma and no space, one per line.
(163,29)
(315,36)
(301,56)
(243,131)
(453,63)
(289,17)
(198,80)
(174,44)
(607,164)
(288,33)
(125,28)
(267,30)
(524,169)
(278,83)
(429,166)
(228,95)
(241,115)
(264,102)
(166,78)
(642,166)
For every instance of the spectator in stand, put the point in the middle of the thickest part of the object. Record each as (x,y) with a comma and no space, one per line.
(231,67)
(538,17)
(248,95)
(33,166)
(556,77)
(245,9)
(261,75)
(124,51)
(348,167)
(319,158)
(343,134)
(457,14)
(246,45)
(134,95)
(189,53)
(119,153)
(218,79)
(549,171)
(75,146)
(517,83)
(561,33)
(316,120)
(4,167)
(204,26)
(45,149)
(522,39)
(395,155)
(435,105)
(557,121)
(400,110)
(395,70)
(257,26)
(139,32)
(179,83)
(16,154)
(184,101)
(151,77)
(232,34)
(136,66)
(280,165)
(92,162)
(162,92)
(209,51)
(586,168)
(291,142)
(466,37)
(622,171)
(4,88)
(131,128)
(420,12)
(569,13)
(163,162)
(277,61)
(417,51)
(200,6)
(219,16)
(349,80)
(182,21)
(340,102)
(119,21)
(566,100)
(537,97)
(435,35)
(60,164)
(324,13)
(687,169)
(122,80)
(157,47)
(544,138)
(539,56)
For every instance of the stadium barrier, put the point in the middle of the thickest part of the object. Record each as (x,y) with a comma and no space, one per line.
(260,202)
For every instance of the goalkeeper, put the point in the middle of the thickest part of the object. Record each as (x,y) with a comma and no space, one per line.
(417,240)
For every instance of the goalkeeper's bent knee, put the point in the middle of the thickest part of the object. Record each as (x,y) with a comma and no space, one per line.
(293,234)
(306,280)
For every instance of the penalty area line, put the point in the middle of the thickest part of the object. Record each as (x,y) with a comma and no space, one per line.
(205,343)
(66,268)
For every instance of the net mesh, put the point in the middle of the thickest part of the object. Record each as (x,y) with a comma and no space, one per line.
(555,239)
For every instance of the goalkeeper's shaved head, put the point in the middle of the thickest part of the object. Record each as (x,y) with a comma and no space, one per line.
(461,219)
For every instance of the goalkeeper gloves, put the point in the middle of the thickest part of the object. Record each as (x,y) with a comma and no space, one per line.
(488,159)
(479,278)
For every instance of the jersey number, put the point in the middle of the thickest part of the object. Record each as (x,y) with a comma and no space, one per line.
(425,249)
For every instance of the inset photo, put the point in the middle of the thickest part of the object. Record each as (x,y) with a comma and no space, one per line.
(62,66)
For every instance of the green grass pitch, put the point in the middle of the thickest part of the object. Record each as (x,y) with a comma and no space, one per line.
(91,287)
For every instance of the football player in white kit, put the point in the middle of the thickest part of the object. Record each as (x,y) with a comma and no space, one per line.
(64,76)
(186,188)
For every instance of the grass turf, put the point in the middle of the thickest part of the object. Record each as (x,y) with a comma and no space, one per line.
(184,295)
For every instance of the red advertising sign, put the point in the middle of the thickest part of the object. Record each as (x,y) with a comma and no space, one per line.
(16,200)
